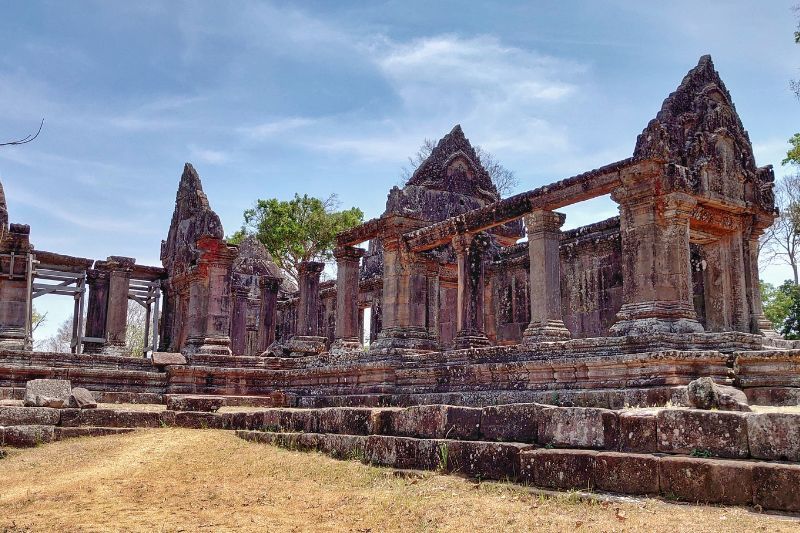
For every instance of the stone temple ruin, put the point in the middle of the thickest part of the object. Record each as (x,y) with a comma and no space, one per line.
(520,356)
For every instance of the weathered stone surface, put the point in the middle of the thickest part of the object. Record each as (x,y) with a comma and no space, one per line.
(703,393)
(82,399)
(774,436)
(775,486)
(47,393)
(305,420)
(717,433)
(559,469)
(209,404)
(484,460)
(27,416)
(436,421)
(404,452)
(26,436)
(512,422)
(74,432)
(578,427)
(168,358)
(199,420)
(111,418)
(626,473)
(343,446)
(706,480)
(345,420)
(638,431)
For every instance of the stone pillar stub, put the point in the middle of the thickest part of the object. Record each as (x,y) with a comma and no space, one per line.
(348,259)
(544,236)
(119,278)
(308,340)
(268,312)
(657,284)
(470,250)
(404,295)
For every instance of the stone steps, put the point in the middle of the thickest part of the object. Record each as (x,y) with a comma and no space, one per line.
(772,486)
(31,435)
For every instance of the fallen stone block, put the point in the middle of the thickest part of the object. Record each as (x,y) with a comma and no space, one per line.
(774,436)
(345,420)
(775,486)
(74,432)
(626,473)
(706,480)
(578,427)
(638,432)
(484,460)
(47,393)
(436,422)
(198,420)
(168,358)
(510,423)
(111,418)
(208,404)
(81,398)
(717,433)
(703,393)
(25,416)
(558,469)
(26,436)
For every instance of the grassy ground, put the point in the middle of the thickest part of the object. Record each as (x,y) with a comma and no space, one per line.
(177,479)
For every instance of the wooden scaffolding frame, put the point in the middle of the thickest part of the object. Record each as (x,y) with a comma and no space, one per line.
(148,295)
(67,283)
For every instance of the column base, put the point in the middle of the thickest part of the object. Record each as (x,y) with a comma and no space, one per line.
(764,327)
(470,339)
(218,345)
(112,348)
(404,338)
(656,317)
(550,331)
(12,338)
(342,346)
(305,345)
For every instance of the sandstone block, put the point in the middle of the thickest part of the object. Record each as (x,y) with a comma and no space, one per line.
(25,416)
(68,433)
(200,420)
(706,480)
(558,469)
(721,434)
(774,436)
(47,393)
(638,432)
(485,460)
(512,422)
(168,358)
(578,427)
(27,436)
(82,399)
(436,422)
(775,486)
(208,404)
(345,420)
(110,418)
(626,473)
(703,393)
(247,421)
(403,452)
(302,420)
(343,446)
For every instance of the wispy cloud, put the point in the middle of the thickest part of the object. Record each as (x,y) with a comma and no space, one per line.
(205,155)
(276,127)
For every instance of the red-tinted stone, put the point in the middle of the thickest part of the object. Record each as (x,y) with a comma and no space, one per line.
(485,460)
(626,473)
(510,423)
(110,418)
(578,427)
(345,420)
(26,436)
(706,480)
(638,432)
(721,434)
(436,422)
(774,436)
(775,486)
(558,469)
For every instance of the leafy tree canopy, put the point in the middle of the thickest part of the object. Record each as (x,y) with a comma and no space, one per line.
(793,154)
(301,229)
(777,302)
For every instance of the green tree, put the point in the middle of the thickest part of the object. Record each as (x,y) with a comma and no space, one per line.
(301,229)
(778,302)
(793,154)
(37,319)
(791,324)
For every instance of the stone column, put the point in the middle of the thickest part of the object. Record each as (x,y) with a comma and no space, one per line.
(97,309)
(308,340)
(14,294)
(241,295)
(404,297)
(119,280)
(544,236)
(469,312)
(214,269)
(758,322)
(657,285)
(268,311)
(348,259)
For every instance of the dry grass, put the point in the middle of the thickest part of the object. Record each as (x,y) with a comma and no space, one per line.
(177,479)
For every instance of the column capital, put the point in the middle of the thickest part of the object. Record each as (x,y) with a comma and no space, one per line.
(310,267)
(348,253)
(544,221)
(269,283)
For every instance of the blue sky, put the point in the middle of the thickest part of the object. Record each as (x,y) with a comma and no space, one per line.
(271,98)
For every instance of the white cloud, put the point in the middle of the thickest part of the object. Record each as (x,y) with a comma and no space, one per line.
(276,127)
(206,155)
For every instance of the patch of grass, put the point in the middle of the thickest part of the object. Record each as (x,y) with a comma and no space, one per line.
(699,452)
(444,457)
(170,479)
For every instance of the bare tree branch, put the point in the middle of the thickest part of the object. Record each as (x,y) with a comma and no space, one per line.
(25,140)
